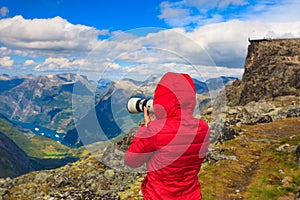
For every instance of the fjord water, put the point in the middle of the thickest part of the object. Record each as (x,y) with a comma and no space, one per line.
(42,131)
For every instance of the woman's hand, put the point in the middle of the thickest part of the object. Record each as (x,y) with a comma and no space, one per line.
(146,116)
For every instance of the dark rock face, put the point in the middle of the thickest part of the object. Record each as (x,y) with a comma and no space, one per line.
(272,69)
(228,133)
(297,196)
(261,119)
(298,154)
(13,160)
(295,112)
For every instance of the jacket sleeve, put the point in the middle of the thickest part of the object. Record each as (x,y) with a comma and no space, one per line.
(141,148)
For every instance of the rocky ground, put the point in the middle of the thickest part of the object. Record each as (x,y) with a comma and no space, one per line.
(263,162)
(93,177)
(257,156)
(85,179)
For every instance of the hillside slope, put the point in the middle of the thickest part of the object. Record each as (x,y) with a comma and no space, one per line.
(43,152)
(13,161)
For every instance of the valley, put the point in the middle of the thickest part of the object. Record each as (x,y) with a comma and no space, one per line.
(254,124)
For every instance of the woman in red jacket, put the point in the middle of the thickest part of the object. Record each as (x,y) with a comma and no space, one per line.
(173,145)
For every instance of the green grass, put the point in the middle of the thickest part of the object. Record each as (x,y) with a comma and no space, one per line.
(38,146)
(258,171)
(269,182)
(20,139)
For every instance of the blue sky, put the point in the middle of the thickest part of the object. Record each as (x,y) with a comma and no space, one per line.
(112,15)
(115,39)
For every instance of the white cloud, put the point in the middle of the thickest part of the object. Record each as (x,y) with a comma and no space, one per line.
(282,11)
(61,63)
(4,51)
(227,42)
(141,72)
(203,46)
(176,15)
(29,63)
(225,3)
(221,44)
(205,5)
(168,11)
(54,34)
(111,65)
(4,11)
(194,12)
(216,48)
(208,72)
(6,61)
(58,61)
(160,47)
(201,12)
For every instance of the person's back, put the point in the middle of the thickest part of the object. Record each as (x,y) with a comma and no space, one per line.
(174,145)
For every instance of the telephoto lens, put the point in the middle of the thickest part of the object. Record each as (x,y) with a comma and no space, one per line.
(136,104)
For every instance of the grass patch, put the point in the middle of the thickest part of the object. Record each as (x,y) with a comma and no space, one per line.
(260,171)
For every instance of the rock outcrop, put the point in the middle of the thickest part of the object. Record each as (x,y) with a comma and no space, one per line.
(272,69)
(268,91)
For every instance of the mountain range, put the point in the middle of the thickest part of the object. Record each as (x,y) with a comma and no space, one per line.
(112,115)
(48,101)
(42,100)
(28,103)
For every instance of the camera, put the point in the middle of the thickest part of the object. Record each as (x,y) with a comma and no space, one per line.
(136,104)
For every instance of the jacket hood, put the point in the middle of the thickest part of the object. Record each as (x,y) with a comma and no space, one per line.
(175,95)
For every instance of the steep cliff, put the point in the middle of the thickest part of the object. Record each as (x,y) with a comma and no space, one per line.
(272,69)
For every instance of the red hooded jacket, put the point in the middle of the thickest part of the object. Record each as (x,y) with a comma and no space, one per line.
(174,145)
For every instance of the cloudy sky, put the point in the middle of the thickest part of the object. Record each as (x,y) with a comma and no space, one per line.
(133,38)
